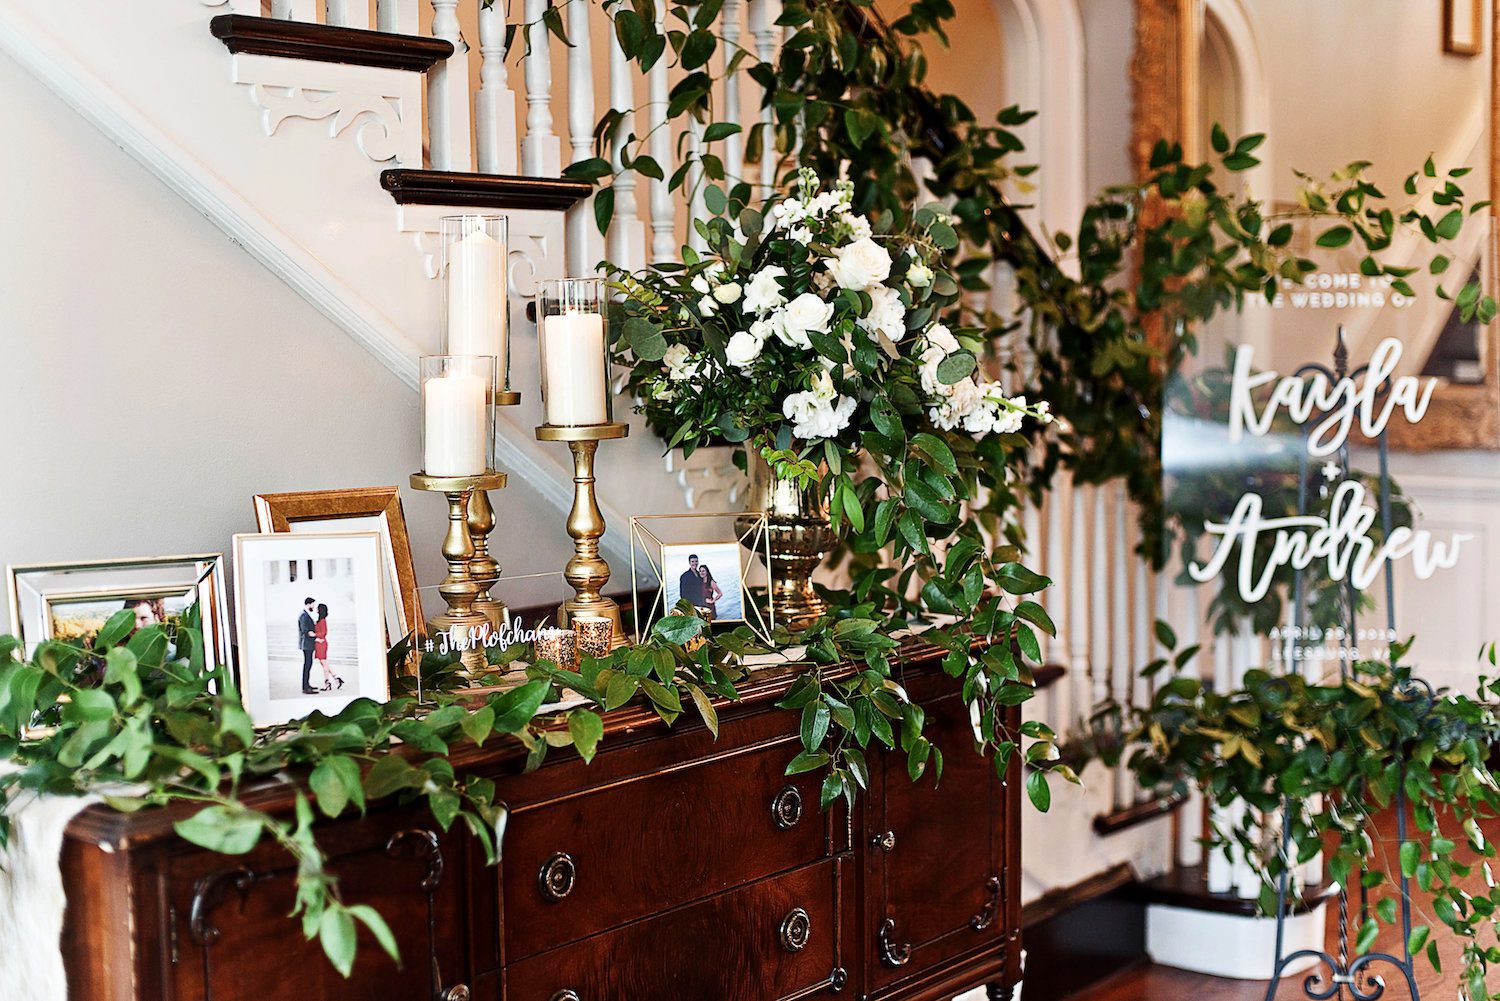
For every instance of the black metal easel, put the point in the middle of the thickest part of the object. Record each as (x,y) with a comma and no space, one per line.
(1342,973)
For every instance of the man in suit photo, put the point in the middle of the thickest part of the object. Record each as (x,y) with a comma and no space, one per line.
(690,585)
(307,632)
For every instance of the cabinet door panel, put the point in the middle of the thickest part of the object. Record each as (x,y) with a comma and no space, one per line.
(934,857)
(233,940)
(779,938)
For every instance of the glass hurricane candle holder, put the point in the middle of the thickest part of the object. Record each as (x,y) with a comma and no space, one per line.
(458,424)
(574,349)
(476,316)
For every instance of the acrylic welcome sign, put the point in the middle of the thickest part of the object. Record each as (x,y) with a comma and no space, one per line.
(1310,526)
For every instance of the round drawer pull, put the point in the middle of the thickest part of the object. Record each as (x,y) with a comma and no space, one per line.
(566,996)
(787,808)
(556,876)
(796,930)
(458,992)
(886,841)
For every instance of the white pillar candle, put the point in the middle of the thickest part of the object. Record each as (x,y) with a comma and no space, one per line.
(573,366)
(453,420)
(476,297)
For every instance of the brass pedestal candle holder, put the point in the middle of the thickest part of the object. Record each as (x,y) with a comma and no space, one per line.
(587,572)
(481,522)
(464,624)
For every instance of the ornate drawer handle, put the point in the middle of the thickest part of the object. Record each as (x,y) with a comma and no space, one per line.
(787,808)
(886,840)
(556,876)
(458,992)
(892,953)
(796,930)
(566,996)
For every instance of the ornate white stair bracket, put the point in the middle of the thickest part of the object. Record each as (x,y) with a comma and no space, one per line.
(709,479)
(385,103)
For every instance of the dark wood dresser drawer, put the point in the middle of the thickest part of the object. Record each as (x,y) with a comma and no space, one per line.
(774,939)
(601,857)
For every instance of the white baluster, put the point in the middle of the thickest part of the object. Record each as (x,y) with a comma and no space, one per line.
(1098,578)
(495,104)
(1056,507)
(1143,605)
(1179,606)
(448,95)
(734,146)
(585,246)
(1119,617)
(627,234)
(397,16)
(663,223)
(767,34)
(1078,599)
(348,13)
(541,150)
(696,180)
(294,10)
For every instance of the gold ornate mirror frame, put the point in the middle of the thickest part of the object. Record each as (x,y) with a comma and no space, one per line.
(1165,75)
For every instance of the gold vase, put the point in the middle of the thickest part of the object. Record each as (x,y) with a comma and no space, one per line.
(800,536)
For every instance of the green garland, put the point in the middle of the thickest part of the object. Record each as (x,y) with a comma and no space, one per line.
(1333,756)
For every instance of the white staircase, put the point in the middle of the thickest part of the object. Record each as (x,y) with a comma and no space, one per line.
(286,156)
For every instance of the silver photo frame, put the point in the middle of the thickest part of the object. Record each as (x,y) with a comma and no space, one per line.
(61,601)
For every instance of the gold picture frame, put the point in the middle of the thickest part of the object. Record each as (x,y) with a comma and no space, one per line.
(379,508)
(1463,36)
(657,539)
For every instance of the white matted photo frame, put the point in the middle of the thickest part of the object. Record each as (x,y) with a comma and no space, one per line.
(713,561)
(71,601)
(310,622)
(359,509)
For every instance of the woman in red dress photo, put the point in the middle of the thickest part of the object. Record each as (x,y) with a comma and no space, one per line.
(320,650)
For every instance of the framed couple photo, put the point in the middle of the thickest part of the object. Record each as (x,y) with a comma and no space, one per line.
(707,560)
(312,623)
(71,602)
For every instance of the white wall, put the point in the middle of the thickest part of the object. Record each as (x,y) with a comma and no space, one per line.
(155,376)
(1109,36)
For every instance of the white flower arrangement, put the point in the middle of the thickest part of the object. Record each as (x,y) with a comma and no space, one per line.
(794,334)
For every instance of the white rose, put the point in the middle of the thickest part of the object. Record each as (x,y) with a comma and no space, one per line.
(860,264)
(679,368)
(818,414)
(744,347)
(938,344)
(940,336)
(887,315)
(764,294)
(728,293)
(707,306)
(919,274)
(803,315)
(700,285)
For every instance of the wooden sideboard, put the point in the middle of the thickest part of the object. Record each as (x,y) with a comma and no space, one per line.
(674,867)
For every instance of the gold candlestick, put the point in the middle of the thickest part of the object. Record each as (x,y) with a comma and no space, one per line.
(587,572)
(462,621)
(481,522)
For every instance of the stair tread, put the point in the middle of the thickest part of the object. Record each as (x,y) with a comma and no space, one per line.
(1187,886)
(501,191)
(270,36)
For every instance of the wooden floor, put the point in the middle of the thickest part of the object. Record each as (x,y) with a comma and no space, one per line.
(1159,983)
